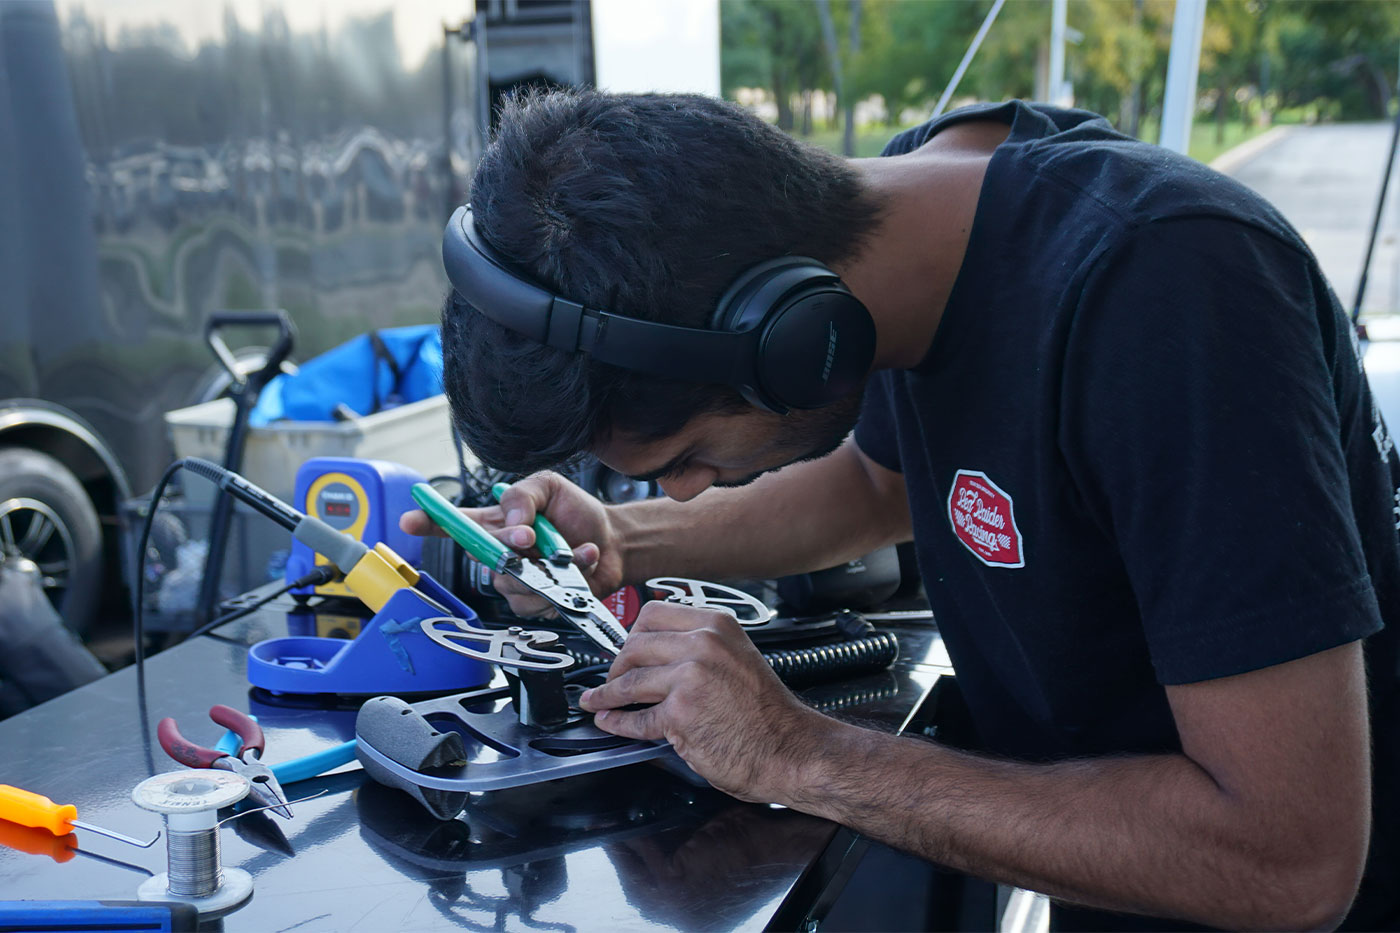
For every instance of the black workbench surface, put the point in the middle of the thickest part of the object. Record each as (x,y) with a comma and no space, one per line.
(634,847)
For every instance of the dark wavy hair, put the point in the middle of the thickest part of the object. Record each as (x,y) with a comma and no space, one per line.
(645,205)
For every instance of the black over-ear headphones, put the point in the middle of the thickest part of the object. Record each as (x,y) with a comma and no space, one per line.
(787,334)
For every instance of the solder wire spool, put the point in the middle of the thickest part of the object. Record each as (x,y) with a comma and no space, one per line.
(189,801)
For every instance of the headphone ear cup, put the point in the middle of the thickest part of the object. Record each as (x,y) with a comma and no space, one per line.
(815,339)
(737,309)
(817,348)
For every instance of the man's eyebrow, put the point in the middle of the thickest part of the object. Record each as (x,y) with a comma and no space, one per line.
(671,466)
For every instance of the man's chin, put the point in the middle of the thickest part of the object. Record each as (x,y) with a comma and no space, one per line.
(816,453)
(736,483)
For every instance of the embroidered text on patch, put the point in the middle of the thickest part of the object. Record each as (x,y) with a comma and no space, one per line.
(982,518)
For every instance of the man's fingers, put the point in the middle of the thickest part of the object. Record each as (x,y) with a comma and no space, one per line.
(637,724)
(523,601)
(586,555)
(532,607)
(657,616)
(523,500)
(640,685)
(416,522)
(652,649)
(517,536)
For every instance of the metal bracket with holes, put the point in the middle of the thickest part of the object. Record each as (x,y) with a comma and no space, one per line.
(702,594)
(514,647)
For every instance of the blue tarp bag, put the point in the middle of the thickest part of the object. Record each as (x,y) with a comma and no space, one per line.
(372,372)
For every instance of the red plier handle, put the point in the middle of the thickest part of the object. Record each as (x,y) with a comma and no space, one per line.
(247,728)
(197,756)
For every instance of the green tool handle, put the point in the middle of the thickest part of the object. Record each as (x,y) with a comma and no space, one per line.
(477,541)
(547,538)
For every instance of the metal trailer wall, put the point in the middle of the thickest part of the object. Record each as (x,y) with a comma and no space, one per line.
(163,160)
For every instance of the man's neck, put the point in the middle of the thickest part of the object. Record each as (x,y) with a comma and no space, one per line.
(907,269)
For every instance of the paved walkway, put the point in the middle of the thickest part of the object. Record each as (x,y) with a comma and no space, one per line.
(1325,180)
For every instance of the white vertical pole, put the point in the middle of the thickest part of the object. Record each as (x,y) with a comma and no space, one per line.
(1183,65)
(967,58)
(1056,91)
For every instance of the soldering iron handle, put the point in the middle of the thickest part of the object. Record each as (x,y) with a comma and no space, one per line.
(246,492)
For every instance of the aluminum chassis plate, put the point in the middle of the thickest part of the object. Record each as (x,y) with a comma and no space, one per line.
(522,762)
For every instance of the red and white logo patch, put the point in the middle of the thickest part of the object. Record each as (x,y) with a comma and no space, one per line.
(983,520)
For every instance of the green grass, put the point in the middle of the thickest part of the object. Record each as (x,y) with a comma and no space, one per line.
(1204,144)
(1207,147)
(871,139)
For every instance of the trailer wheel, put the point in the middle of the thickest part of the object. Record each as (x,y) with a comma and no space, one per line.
(47,517)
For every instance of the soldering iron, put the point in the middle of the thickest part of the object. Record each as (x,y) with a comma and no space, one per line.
(372,574)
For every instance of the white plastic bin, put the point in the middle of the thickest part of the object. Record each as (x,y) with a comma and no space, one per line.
(418,435)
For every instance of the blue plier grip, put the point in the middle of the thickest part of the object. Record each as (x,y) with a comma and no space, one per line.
(298,769)
(229,743)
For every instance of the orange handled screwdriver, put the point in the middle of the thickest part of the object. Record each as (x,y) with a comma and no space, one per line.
(26,809)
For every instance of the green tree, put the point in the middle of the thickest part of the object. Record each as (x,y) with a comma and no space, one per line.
(775,45)
(909,49)
(1230,47)
(1118,65)
(1012,54)
(842,58)
(1338,55)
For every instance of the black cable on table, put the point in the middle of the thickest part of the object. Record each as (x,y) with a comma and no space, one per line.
(315,577)
(318,575)
(138,622)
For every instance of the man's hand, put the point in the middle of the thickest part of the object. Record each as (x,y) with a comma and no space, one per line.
(581,519)
(715,700)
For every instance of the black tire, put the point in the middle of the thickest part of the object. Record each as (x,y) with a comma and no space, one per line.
(46,516)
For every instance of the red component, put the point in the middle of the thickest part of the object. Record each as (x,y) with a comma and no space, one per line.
(246,727)
(182,749)
(626,603)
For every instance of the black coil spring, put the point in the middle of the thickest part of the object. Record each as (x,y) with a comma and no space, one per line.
(837,661)
(815,663)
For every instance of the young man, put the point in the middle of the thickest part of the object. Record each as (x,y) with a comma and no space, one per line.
(1111,399)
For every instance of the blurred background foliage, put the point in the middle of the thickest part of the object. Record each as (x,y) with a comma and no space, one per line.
(847,73)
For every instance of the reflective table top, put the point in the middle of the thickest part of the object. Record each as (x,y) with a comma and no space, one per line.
(633,847)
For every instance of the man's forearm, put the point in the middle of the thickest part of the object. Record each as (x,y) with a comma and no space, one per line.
(804,517)
(1147,834)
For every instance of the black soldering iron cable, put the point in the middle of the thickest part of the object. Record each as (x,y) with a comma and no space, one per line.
(138,620)
(324,573)
(261,501)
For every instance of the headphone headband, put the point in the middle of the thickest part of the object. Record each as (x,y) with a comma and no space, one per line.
(732,353)
(484,279)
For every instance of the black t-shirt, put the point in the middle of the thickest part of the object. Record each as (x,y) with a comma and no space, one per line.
(1140,451)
